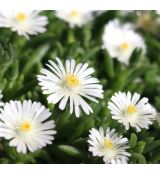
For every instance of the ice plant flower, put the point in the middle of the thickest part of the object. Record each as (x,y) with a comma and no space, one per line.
(24,124)
(120,40)
(75,17)
(131,110)
(24,22)
(72,82)
(108,145)
(1,96)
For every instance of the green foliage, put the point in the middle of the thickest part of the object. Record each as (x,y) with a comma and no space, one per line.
(133,140)
(22,59)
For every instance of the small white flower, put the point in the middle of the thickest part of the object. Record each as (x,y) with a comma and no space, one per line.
(71,82)
(24,22)
(120,40)
(24,124)
(1,96)
(108,145)
(74,17)
(130,110)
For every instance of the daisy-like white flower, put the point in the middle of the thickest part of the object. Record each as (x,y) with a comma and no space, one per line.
(120,40)
(24,124)
(71,82)
(1,96)
(24,22)
(131,110)
(108,145)
(74,17)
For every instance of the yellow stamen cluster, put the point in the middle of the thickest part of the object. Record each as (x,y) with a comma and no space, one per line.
(72,80)
(124,45)
(25,127)
(73,13)
(21,16)
(131,109)
(108,143)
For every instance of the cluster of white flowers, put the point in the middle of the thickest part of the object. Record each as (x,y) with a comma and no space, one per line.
(26,125)
(128,110)
(31,22)
(73,82)
(119,39)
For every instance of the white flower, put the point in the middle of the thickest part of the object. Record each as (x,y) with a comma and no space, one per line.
(24,22)
(24,124)
(71,82)
(108,145)
(120,40)
(74,17)
(1,96)
(130,110)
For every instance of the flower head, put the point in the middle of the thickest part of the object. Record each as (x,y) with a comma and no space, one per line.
(120,40)
(24,124)
(131,111)
(108,145)
(24,22)
(75,17)
(71,82)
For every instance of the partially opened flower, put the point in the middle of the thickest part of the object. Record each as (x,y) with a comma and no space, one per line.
(24,124)
(1,96)
(75,17)
(108,145)
(131,110)
(120,40)
(70,83)
(24,22)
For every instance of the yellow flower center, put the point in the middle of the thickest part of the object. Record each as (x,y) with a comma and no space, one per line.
(21,16)
(25,127)
(131,109)
(72,80)
(124,45)
(73,13)
(108,143)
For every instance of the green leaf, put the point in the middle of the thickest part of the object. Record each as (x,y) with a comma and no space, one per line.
(155,158)
(24,89)
(152,146)
(87,124)
(139,147)
(6,57)
(92,53)
(133,140)
(70,150)
(108,61)
(141,159)
(4,161)
(13,71)
(86,35)
(136,56)
(36,57)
